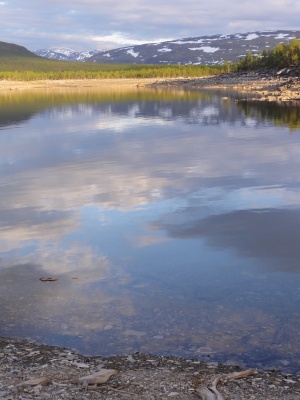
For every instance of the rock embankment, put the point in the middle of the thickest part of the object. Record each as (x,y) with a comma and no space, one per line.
(265,85)
(40,372)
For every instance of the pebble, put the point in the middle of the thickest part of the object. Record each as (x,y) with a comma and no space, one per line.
(45,396)
(108,327)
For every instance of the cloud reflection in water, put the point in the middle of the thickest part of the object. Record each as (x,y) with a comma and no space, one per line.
(153,202)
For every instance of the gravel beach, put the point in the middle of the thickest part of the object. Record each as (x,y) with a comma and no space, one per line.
(282,85)
(35,371)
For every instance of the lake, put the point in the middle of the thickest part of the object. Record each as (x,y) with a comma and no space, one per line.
(171,220)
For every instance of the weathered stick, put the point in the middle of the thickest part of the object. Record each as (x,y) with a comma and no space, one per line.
(212,393)
(98,378)
(239,375)
(113,389)
(36,381)
(209,394)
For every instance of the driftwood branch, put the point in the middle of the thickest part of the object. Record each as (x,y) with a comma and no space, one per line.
(113,389)
(98,378)
(36,381)
(212,393)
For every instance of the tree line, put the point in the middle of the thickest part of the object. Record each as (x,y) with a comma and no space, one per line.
(28,69)
(282,56)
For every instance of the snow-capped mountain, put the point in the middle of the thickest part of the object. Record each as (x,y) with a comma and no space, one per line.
(207,50)
(66,54)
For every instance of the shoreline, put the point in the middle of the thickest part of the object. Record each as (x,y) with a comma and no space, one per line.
(38,371)
(277,86)
(111,84)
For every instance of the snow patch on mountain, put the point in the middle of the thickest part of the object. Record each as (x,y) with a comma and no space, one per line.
(283,36)
(66,54)
(251,36)
(132,53)
(164,50)
(189,41)
(206,49)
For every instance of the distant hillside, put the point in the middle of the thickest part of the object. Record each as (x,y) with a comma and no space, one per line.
(208,50)
(203,50)
(62,53)
(14,50)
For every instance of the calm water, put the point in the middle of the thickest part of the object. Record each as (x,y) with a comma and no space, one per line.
(172,220)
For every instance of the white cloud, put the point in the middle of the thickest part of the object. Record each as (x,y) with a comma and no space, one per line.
(118,38)
(92,24)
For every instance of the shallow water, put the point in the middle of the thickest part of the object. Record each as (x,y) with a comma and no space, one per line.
(171,219)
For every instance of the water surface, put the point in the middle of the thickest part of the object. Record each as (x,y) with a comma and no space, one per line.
(172,220)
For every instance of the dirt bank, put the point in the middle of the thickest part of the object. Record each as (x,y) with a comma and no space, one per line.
(32,371)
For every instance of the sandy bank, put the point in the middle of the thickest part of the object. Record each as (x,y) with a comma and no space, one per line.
(112,84)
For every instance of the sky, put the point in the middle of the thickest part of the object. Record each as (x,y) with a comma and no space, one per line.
(107,24)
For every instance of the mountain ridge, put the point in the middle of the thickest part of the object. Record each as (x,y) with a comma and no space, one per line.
(205,50)
(209,50)
(66,54)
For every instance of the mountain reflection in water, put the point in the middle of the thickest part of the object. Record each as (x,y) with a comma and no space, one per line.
(170,218)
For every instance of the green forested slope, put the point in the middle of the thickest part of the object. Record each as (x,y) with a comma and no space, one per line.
(14,50)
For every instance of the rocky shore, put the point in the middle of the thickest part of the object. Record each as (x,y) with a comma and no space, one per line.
(282,85)
(32,371)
